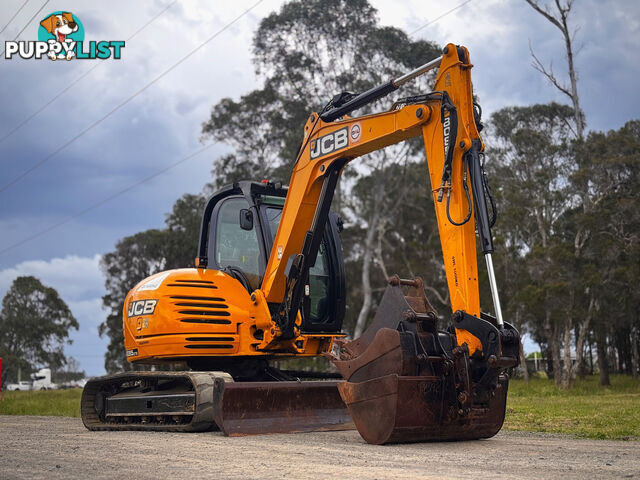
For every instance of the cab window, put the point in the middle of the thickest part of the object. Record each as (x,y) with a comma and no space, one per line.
(273,217)
(319,286)
(319,274)
(235,247)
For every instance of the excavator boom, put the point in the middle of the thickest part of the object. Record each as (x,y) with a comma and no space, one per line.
(446,121)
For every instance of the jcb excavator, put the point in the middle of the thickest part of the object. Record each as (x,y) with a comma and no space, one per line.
(269,284)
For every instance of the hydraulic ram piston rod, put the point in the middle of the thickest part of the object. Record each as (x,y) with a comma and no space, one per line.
(494,290)
(380,91)
(407,77)
(482,221)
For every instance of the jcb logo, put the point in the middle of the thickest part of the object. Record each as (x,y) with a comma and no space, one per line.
(141,307)
(330,143)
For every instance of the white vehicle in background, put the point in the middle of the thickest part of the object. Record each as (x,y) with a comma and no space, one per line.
(42,380)
(23,385)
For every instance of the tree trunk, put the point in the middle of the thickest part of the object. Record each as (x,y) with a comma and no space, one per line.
(547,358)
(567,369)
(367,291)
(577,111)
(551,333)
(555,354)
(590,356)
(579,366)
(566,361)
(612,357)
(523,360)
(523,364)
(624,350)
(580,341)
(601,350)
(635,361)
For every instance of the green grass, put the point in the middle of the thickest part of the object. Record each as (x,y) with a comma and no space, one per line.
(584,410)
(59,403)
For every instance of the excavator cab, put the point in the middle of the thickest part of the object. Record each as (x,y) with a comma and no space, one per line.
(239,225)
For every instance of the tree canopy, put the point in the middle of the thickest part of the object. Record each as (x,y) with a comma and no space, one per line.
(34,328)
(304,54)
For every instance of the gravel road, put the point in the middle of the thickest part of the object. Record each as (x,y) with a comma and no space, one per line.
(53,447)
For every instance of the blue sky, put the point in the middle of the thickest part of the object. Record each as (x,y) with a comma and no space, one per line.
(162,124)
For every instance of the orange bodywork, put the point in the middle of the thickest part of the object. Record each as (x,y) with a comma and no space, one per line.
(200,313)
(234,316)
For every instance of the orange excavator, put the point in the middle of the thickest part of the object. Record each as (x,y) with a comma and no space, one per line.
(269,284)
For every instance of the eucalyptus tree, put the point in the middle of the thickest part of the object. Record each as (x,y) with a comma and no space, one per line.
(35,324)
(531,164)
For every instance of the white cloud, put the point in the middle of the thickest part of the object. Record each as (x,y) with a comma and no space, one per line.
(90,309)
(73,277)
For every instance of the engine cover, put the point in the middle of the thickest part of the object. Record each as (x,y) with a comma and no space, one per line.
(194,312)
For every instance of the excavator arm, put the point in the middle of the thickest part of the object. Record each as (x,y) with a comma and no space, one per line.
(446,119)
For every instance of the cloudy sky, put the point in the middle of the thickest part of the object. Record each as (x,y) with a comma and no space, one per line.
(161,125)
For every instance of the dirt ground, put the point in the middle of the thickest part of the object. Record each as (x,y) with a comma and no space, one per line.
(54,447)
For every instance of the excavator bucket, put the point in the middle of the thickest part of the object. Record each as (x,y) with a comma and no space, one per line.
(403,409)
(409,382)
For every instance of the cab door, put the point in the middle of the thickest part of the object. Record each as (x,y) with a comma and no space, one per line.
(238,229)
(323,304)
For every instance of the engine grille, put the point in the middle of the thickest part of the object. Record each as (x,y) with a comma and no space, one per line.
(192,284)
(212,345)
(217,321)
(201,309)
(209,339)
(224,346)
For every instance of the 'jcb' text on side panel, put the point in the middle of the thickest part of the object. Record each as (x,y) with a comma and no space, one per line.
(329,143)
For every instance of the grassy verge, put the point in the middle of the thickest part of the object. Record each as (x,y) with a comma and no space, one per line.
(585,409)
(60,403)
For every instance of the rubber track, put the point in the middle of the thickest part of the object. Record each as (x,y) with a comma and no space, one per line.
(202,420)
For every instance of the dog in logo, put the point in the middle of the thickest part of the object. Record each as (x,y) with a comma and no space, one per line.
(60,26)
